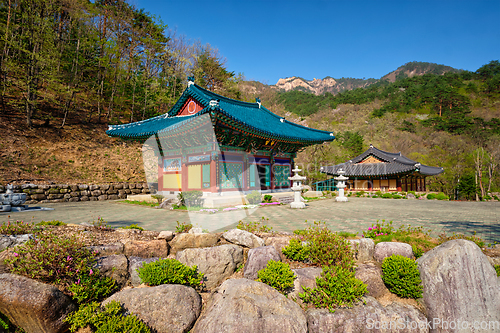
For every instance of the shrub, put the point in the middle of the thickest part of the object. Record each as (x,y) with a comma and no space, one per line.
(158,197)
(190,198)
(379,229)
(53,259)
(268,198)
(53,222)
(133,226)
(417,251)
(336,287)
(497,269)
(431,196)
(165,271)
(254,227)
(396,196)
(295,250)
(387,196)
(401,276)
(17,228)
(442,196)
(378,193)
(4,321)
(183,227)
(443,238)
(254,197)
(327,248)
(101,223)
(277,275)
(109,319)
(90,288)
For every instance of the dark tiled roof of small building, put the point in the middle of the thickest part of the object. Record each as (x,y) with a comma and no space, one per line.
(393,163)
(252,117)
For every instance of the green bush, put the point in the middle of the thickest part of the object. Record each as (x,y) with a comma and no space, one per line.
(190,198)
(254,197)
(17,228)
(497,269)
(277,275)
(431,196)
(417,251)
(52,259)
(268,198)
(401,276)
(158,197)
(378,193)
(254,227)
(396,196)
(295,250)
(327,248)
(183,227)
(53,222)
(442,196)
(90,288)
(170,271)
(336,287)
(387,196)
(110,319)
(133,226)
(4,321)
(379,229)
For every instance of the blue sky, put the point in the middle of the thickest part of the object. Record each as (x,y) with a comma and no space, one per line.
(268,40)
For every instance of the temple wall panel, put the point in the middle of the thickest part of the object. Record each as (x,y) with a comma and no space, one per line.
(376,184)
(194,177)
(172,181)
(392,185)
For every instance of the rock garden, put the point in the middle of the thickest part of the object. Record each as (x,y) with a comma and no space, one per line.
(92,278)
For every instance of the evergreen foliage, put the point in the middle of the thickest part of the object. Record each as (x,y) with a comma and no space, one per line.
(401,276)
(277,275)
(172,271)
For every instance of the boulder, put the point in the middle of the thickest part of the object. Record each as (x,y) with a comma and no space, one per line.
(363,249)
(245,306)
(187,241)
(410,196)
(195,231)
(147,249)
(368,317)
(387,249)
(243,238)
(304,277)
(459,284)
(279,242)
(34,306)
(257,260)
(115,267)
(216,263)
(166,235)
(107,249)
(133,264)
(371,275)
(167,308)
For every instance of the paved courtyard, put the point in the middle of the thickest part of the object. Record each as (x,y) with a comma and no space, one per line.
(355,216)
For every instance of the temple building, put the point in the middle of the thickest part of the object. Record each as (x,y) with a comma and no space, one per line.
(216,144)
(378,170)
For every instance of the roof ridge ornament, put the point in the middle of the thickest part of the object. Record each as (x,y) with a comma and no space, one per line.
(282,119)
(257,100)
(190,81)
(371,146)
(214,103)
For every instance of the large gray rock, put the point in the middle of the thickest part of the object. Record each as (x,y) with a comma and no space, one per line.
(166,235)
(216,263)
(459,285)
(243,238)
(363,249)
(304,277)
(279,242)
(114,266)
(34,306)
(387,249)
(134,264)
(147,249)
(371,275)
(257,260)
(369,317)
(7,241)
(245,306)
(167,308)
(107,249)
(188,241)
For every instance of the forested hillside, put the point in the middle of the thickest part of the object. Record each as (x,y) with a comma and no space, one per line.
(450,120)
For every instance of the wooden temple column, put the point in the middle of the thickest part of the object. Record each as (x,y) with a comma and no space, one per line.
(160,173)
(184,173)
(213,175)
(425,187)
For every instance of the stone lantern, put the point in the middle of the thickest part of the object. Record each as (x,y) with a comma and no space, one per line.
(341,186)
(297,187)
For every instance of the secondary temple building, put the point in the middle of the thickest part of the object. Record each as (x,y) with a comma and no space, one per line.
(378,170)
(215,144)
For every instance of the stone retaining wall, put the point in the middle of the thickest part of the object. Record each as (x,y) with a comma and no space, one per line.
(82,192)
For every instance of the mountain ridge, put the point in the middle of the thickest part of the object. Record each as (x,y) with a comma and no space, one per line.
(335,86)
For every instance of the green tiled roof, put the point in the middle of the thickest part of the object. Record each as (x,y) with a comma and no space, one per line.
(251,117)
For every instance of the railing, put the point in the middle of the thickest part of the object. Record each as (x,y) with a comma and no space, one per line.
(326,185)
